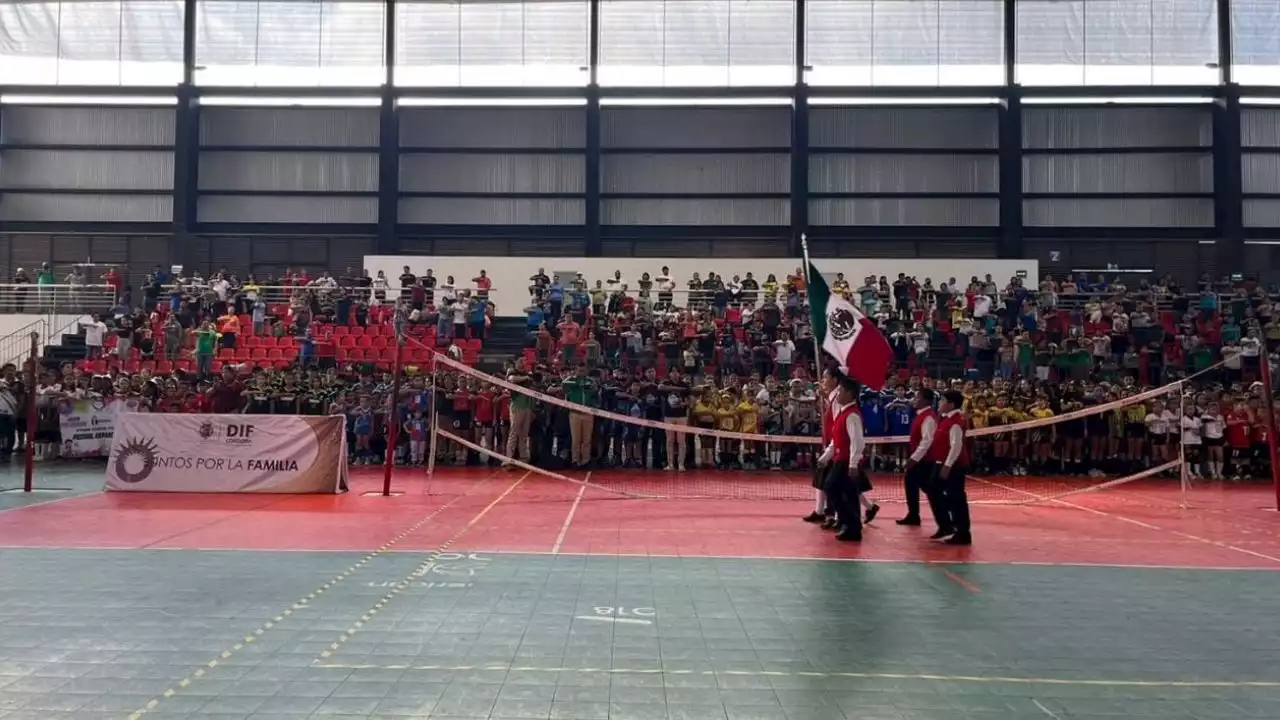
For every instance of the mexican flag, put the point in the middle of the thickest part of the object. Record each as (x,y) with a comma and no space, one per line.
(847,335)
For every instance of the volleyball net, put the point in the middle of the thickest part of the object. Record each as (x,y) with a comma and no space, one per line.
(727,446)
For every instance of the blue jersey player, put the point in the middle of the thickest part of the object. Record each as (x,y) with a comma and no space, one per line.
(900,414)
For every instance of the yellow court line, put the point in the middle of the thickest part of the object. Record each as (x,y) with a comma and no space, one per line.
(301,603)
(995,680)
(424,567)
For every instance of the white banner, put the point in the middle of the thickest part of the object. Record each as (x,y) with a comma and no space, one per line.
(88,424)
(228,453)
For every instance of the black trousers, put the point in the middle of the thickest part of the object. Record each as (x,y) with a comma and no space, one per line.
(8,434)
(921,479)
(954,500)
(842,495)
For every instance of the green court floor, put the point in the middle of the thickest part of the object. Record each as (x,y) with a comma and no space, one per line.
(201,634)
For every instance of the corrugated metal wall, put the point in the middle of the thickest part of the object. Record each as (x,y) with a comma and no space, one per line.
(1260,165)
(695,166)
(1186,260)
(288,165)
(492,166)
(117,163)
(935,166)
(135,255)
(1118,166)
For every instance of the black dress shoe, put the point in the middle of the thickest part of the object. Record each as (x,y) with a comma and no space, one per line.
(958,539)
(814,517)
(942,532)
(829,524)
(912,520)
(871,513)
(848,535)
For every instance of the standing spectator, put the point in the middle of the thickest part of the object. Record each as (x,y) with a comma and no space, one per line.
(483,285)
(784,352)
(459,313)
(555,298)
(95,332)
(173,336)
(206,340)
(228,328)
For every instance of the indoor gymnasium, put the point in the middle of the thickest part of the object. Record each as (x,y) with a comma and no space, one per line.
(639,359)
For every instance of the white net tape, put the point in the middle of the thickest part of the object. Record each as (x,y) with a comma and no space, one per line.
(469,371)
(489,453)
(1032,498)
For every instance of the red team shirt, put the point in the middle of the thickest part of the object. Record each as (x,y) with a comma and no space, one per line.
(482,404)
(1238,429)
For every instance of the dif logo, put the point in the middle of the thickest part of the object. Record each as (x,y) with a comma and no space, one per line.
(239,431)
(231,433)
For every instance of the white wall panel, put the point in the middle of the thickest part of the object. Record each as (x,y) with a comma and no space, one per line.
(904,42)
(693,174)
(506,43)
(299,171)
(486,173)
(1260,172)
(933,128)
(695,212)
(512,127)
(1116,127)
(935,212)
(86,170)
(1260,126)
(511,274)
(903,173)
(85,208)
(285,127)
(491,211)
(274,209)
(695,127)
(1117,173)
(1121,212)
(24,124)
(1262,213)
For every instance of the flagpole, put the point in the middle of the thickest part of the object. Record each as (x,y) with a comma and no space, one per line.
(817,349)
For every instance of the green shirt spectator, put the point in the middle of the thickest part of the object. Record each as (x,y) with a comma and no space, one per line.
(580,390)
(205,340)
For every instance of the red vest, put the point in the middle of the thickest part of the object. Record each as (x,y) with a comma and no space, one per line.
(827,419)
(840,433)
(917,427)
(942,441)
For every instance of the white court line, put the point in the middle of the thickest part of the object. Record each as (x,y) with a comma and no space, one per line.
(606,618)
(1045,710)
(1141,524)
(51,501)
(564,529)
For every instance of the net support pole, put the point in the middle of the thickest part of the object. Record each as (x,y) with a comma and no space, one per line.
(1270,403)
(393,420)
(29,472)
(1183,480)
(435,421)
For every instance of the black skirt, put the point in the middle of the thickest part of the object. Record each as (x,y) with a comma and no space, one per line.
(819,477)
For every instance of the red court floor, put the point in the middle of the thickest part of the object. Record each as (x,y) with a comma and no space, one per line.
(1139,524)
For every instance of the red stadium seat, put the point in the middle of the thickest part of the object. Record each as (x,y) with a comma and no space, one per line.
(275,353)
(164,366)
(259,353)
(364,341)
(227,353)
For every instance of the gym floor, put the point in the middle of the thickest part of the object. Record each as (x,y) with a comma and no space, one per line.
(504,595)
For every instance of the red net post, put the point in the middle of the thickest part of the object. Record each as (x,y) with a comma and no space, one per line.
(393,419)
(28,476)
(1270,403)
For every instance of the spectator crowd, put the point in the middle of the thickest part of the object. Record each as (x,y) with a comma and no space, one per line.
(713,353)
